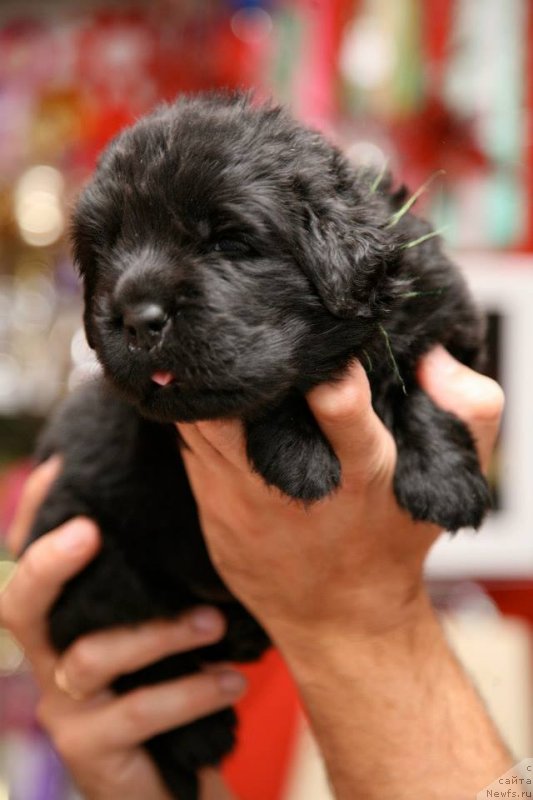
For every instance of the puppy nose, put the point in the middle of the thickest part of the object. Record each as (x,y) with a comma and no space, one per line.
(144,325)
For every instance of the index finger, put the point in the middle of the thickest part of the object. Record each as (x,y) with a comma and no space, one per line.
(345,415)
(38,579)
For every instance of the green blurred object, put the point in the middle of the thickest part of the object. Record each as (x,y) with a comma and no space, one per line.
(17,437)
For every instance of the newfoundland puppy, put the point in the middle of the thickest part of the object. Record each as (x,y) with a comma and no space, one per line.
(232,259)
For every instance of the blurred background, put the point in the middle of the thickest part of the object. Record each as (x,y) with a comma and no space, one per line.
(424,86)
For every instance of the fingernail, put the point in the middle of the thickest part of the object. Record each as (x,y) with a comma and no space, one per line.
(74,537)
(206,620)
(231,681)
(441,361)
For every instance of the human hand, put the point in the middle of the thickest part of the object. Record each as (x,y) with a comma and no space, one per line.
(355,557)
(340,588)
(98,734)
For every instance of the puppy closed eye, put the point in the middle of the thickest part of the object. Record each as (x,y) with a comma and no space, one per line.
(233,247)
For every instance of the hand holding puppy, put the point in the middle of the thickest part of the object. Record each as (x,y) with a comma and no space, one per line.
(98,735)
(355,556)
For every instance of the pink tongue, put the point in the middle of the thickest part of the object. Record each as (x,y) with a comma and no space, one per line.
(163,378)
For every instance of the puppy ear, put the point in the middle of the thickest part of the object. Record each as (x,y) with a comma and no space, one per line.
(84,258)
(87,318)
(348,248)
(94,227)
(347,254)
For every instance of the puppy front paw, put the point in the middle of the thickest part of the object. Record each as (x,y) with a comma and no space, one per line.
(438,478)
(290,452)
(299,469)
(453,499)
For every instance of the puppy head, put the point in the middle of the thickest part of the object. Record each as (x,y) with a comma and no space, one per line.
(223,248)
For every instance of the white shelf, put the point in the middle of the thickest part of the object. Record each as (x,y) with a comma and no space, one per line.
(503,548)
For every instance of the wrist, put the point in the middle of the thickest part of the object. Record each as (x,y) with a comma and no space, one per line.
(361,691)
(366,610)
(372,626)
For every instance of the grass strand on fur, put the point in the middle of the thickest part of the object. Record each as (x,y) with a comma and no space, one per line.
(408,295)
(392,357)
(425,237)
(396,217)
(379,177)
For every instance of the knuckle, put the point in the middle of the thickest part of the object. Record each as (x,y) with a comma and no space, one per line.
(137,708)
(340,405)
(81,662)
(335,412)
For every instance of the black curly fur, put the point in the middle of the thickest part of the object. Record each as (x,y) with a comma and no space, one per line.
(276,263)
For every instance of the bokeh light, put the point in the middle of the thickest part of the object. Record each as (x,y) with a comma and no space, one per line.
(38,211)
(251,25)
(368,53)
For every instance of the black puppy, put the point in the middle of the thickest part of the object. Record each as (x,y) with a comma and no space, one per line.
(233,259)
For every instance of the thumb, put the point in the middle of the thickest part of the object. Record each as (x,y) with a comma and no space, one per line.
(476,399)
